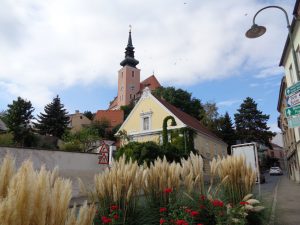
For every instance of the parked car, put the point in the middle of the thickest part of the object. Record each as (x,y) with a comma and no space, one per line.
(275,171)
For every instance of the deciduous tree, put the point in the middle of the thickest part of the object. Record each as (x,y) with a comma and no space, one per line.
(182,100)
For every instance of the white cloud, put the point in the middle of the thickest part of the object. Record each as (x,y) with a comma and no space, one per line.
(55,44)
(228,103)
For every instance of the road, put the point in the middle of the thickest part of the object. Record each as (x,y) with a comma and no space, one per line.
(268,188)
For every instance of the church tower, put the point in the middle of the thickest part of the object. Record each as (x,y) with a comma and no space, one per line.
(128,76)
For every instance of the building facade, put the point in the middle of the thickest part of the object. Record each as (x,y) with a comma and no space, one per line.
(78,121)
(144,123)
(291,136)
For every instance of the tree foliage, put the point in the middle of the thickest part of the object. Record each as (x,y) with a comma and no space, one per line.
(18,118)
(127,109)
(55,120)
(88,114)
(211,118)
(182,100)
(82,140)
(227,132)
(251,123)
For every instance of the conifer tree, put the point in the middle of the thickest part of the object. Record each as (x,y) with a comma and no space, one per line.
(227,131)
(55,120)
(251,123)
(17,118)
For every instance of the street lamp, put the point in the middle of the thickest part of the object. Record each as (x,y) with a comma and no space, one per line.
(256,31)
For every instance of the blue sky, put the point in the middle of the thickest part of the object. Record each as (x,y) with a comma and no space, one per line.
(73,48)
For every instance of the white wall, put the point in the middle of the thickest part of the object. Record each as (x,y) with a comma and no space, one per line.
(71,164)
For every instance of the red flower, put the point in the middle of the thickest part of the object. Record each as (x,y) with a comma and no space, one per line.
(162,209)
(194,213)
(244,203)
(217,203)
(162,221)
(116,216)
(202,197)
(168,190)
(181,222)
(105,219)
(114,207)
(188,210)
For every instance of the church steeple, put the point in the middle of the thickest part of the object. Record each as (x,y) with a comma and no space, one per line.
(129,54)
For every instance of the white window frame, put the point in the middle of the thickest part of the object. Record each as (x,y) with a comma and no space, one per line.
(143,116)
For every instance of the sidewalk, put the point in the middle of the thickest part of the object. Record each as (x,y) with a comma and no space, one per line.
(287,211)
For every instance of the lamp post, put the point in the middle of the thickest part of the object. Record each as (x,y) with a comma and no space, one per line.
(256,31)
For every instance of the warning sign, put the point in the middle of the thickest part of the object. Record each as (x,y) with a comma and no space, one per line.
(104,154)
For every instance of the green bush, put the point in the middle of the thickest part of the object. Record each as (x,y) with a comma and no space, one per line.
(6,139)
(140,152)
(72,147)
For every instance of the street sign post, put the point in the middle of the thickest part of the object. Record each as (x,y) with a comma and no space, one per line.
(292,89)
(293,99)
(293,121)
(292,111)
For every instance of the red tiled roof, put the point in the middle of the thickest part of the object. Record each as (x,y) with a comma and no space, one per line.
(188,120)
(115,117)
(150,82)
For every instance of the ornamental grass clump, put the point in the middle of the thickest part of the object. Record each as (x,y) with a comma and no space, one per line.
(192,173)
(160,176)
(30,197)
(240,178)
(120,185)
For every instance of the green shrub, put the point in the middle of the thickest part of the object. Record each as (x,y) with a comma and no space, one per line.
(71,146)
(6,139)
(140,152)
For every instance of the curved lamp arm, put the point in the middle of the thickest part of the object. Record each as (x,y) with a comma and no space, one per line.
(290,35)
(277,7)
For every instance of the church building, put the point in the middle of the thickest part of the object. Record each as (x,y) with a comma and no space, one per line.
(129,85)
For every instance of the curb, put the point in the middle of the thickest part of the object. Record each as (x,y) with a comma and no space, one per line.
(272,216)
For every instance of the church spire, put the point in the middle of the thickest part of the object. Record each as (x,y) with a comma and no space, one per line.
(129,53)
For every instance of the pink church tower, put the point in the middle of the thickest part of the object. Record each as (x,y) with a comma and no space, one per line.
(128,76)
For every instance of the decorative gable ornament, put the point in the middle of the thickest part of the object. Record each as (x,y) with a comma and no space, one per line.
(146,93)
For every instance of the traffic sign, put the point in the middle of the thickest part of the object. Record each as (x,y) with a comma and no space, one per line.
(293,99)
(292,111)
(294,122)
(292,89)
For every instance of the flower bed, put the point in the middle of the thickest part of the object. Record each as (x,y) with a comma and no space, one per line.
(174,193)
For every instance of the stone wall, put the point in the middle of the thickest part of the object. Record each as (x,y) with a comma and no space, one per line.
(71,164)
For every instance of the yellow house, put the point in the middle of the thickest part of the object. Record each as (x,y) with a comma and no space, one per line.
(144,123)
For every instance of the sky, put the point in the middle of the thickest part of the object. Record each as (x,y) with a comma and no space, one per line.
(73,48)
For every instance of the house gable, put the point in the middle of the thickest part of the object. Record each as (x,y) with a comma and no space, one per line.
(148,105)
